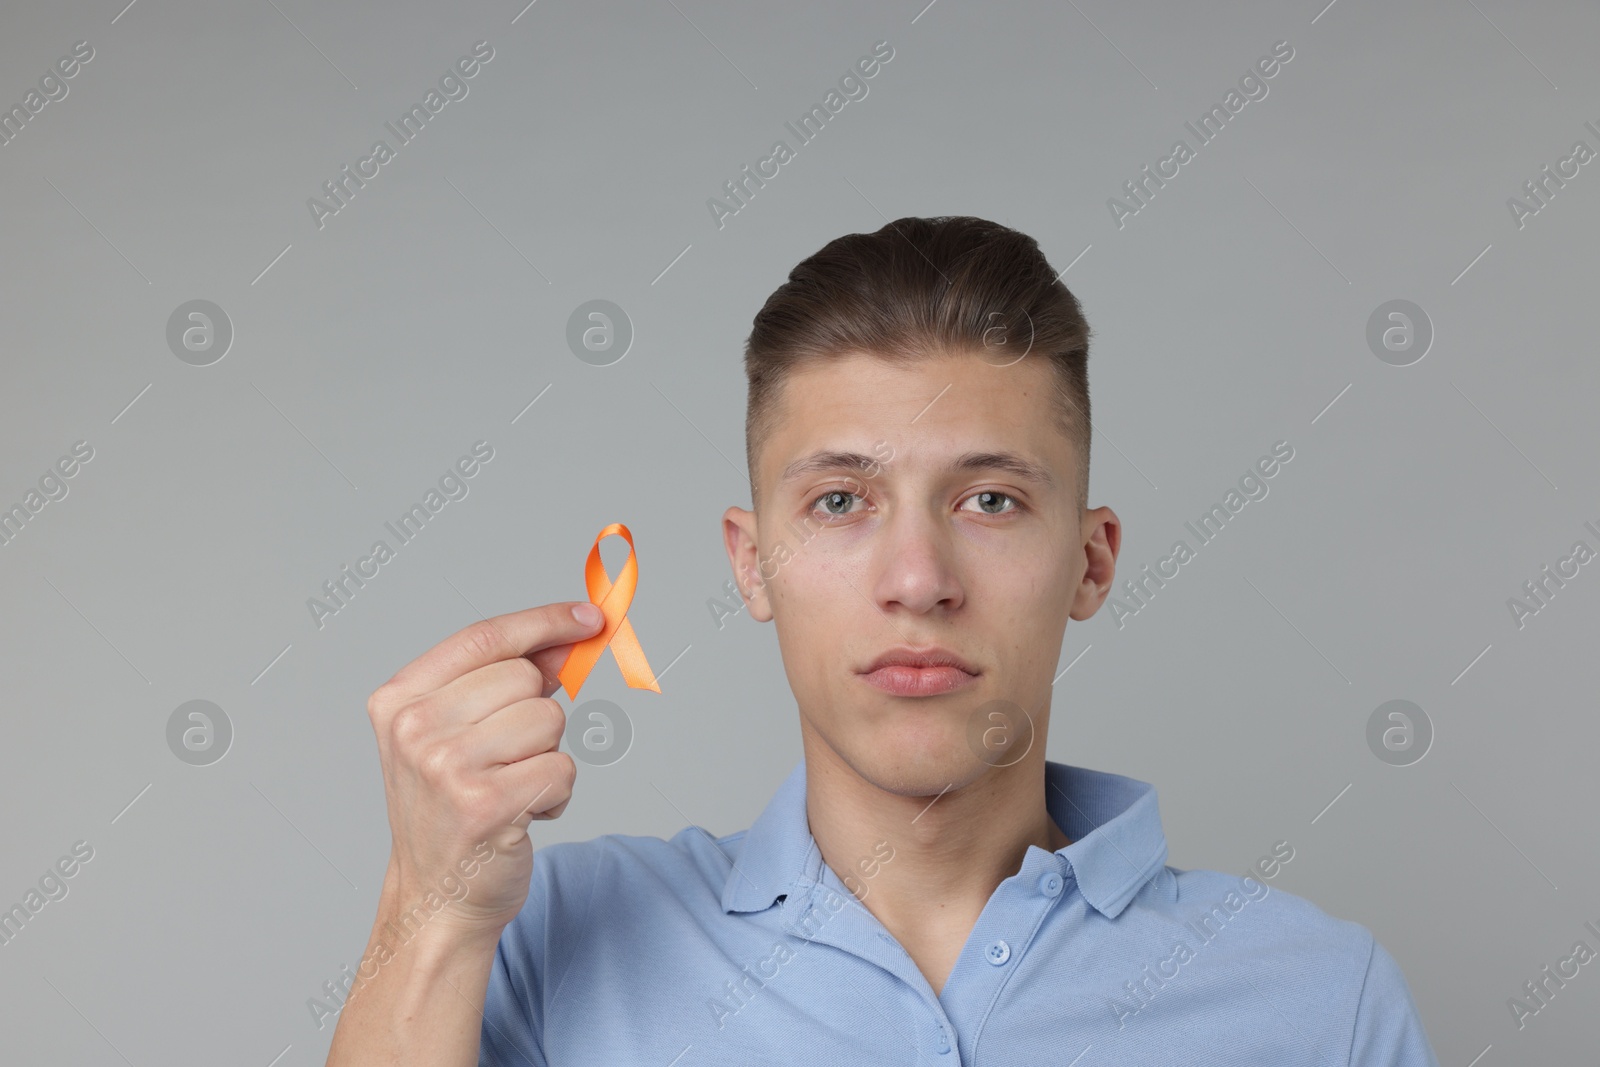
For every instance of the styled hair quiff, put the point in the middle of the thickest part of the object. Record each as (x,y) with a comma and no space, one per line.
(921,287)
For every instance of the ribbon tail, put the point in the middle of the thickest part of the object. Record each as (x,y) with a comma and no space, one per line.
(631,661)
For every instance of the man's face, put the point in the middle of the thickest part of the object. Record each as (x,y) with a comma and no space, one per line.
(921,546)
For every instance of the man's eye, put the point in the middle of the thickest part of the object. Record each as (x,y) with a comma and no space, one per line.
(989,497)
(837,502)
(834,498)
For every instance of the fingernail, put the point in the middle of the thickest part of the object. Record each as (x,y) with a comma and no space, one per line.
(587,614)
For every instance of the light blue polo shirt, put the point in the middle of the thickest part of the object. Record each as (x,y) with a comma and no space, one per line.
(747,949)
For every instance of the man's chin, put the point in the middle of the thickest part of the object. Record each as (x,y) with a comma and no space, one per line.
(920,763)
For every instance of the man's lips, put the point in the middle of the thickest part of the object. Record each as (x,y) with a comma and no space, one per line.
(918,681)
(932,656)
(906,671)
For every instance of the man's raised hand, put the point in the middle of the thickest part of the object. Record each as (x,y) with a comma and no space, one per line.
(468,738)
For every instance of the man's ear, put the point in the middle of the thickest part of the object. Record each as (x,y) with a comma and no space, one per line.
(1102,542)
(739,535)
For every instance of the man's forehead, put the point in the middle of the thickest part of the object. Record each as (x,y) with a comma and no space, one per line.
(859,411)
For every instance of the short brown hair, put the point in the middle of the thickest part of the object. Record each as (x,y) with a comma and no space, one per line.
(918,287)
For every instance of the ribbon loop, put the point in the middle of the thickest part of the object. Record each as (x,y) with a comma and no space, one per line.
(613,600)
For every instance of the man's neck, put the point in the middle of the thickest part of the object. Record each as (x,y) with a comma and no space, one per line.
(950,849)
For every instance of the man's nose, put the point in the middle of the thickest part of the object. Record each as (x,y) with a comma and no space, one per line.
(914,565)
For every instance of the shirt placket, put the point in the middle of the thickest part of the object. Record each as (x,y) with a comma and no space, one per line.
(998,942)
(1001,934)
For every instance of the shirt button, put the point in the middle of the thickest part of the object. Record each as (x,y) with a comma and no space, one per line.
(1050,884)
(944,1042)
(998,953)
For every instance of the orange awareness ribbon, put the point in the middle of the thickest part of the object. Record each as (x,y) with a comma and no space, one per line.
(613,602)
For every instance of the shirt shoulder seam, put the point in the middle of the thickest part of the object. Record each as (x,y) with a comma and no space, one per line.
(583,924)
(1366,973)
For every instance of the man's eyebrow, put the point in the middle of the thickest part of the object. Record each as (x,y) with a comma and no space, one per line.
(830,460)
(826,460)
(1006,461)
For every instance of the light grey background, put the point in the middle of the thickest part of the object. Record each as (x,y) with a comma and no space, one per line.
(368,355)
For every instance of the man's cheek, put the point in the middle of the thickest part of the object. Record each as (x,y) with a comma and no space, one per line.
(769,566)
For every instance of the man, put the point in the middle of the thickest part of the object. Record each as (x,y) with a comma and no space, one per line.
(925,887)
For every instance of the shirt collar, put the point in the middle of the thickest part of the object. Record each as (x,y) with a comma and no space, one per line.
(1114,822)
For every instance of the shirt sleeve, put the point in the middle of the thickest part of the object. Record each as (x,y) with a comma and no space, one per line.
(1388,1030)
(510,1037)
(533,953)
